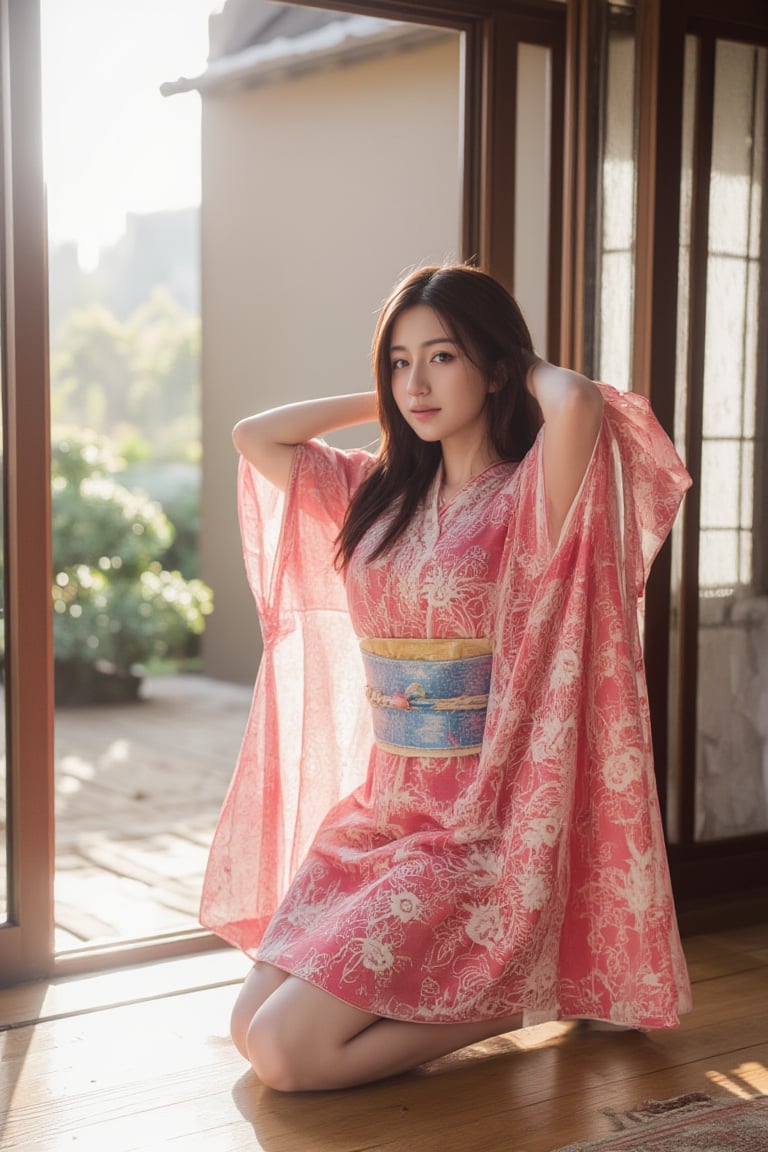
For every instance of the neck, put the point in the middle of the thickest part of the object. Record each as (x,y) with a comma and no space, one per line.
(459,465)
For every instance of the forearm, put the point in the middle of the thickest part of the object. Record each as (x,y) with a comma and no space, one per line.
(292,424)
(268,440)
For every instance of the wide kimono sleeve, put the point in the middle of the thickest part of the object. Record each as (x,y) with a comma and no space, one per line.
(568,741)
(308,735)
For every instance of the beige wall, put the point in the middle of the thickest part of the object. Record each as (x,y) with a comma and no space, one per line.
(317,194)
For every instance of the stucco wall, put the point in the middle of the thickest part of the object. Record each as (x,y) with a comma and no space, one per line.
(317,194)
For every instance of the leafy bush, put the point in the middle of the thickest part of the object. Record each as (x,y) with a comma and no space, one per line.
(114,603)
(183,511)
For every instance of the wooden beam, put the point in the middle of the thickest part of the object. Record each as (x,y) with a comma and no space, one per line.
(497,237)
(689,599)
(27,938)
(574,204)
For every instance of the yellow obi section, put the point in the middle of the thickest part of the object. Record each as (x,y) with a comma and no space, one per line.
(428,697)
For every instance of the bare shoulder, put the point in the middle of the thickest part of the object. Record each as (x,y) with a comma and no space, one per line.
(553,384)
(566,396)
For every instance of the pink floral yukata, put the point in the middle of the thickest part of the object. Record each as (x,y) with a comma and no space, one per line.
(531,877)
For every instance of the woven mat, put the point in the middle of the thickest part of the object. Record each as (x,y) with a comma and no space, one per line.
(691,1123)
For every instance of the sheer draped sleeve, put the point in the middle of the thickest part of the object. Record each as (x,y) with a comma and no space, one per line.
(308,733)
(568,744)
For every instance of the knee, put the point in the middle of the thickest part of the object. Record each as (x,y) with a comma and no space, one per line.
(257,988)
(273,1060)
(240,1022)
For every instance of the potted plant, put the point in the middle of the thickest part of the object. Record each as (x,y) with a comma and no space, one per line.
(115,606)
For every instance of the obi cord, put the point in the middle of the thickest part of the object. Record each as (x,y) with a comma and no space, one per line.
(428,697)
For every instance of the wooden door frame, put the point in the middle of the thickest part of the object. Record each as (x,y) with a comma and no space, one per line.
(26,939)
(491,31)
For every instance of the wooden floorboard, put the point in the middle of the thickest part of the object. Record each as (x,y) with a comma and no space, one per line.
(100,1072)
(55,999)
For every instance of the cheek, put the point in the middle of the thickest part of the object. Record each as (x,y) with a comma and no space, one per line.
(399,395)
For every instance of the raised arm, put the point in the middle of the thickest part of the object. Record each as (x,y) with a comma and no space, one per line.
(572,408)
(269,439)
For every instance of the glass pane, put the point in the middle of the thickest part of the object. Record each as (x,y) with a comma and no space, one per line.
(732,706)
(730,191)
(720,487)
(726,339)
(747,494)
(617,241)
(309,213)
(719,558)
(617,292)
(750,403)
(141,734)
(532,176)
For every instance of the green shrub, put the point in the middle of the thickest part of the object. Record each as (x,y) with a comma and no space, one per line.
(114,603)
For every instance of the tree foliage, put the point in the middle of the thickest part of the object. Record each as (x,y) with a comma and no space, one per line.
(126,391)
(114,603)
(135,377)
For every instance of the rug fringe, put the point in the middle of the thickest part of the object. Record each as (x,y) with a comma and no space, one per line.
(651,1109)
(695,1120)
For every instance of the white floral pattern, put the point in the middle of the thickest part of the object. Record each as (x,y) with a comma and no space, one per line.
(405,906)
(532,876)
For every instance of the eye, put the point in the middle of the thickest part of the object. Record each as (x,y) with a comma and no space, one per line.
(398,363)
(443,357)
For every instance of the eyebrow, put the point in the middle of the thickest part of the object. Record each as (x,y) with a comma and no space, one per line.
(426,344)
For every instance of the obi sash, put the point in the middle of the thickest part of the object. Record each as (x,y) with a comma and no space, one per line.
(428,697)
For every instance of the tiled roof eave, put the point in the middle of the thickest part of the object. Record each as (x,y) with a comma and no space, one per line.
(341,42)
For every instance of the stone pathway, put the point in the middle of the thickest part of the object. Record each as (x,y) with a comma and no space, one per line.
(138,792)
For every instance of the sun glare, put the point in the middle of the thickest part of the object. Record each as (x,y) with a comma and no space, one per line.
(112,144)
(746,1081)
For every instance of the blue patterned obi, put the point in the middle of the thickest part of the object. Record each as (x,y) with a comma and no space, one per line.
(428,697)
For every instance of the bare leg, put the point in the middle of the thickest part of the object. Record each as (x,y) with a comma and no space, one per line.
(303,1039)
(258,986)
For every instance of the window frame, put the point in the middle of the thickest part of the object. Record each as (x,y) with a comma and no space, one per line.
(700,869)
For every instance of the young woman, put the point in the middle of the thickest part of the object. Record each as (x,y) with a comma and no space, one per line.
(452,688)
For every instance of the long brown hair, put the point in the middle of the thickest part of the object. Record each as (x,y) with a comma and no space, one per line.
(487,324)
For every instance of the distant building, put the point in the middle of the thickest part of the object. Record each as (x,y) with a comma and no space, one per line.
(157,248)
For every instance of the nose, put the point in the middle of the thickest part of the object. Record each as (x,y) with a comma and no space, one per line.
(418,382)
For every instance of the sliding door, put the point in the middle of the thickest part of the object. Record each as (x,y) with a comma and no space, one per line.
(511,157)
(718,748)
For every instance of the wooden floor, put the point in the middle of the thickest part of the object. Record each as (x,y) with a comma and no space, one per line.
(140,1059)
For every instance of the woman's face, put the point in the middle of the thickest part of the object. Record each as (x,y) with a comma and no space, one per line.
(440,393)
